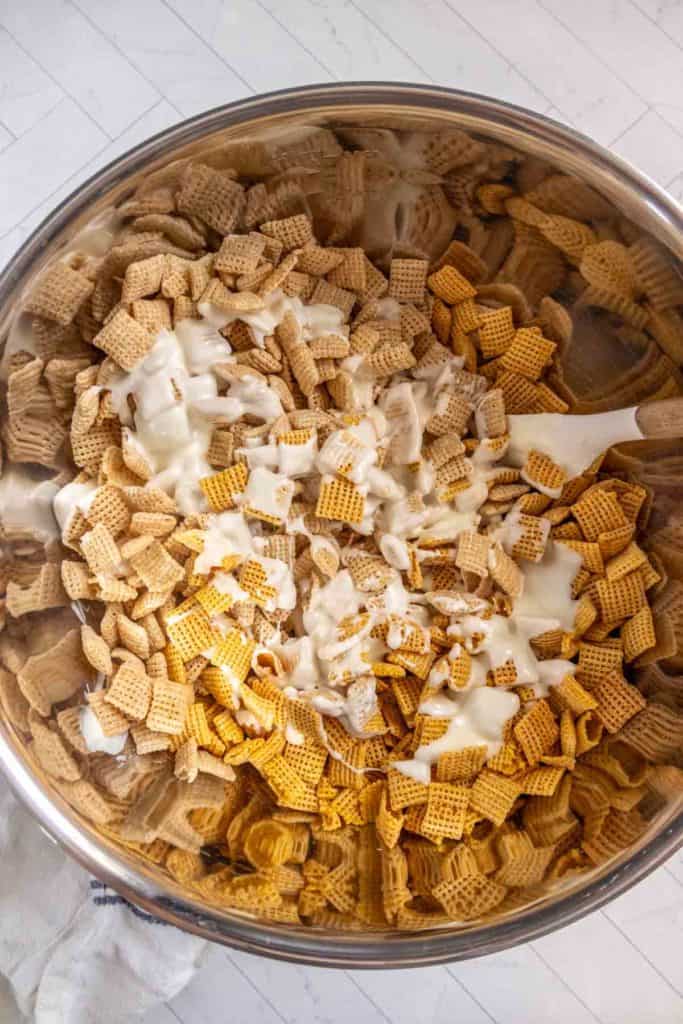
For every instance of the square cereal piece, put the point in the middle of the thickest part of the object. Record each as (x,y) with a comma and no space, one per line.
(446,809)
(470,897)
(472,552)
(384,362)
(522,864)
(168,709)
(489,414)
(292,232)
(318,261)
(308,759)
(461,766)
(143,277)
(240,254)
(222,447)
(101,550)
(156,568)
(331,295)
(529,353)
(146,741)
(339,499)
(621,598)
(570,695)
(466,320)
(546,476)
(613,542)
(493,796)
(408,280)
(638,634)
(59,294)
(211,195)
(496,332)
(521,395)
(125,340)
(537,731)
(451,415)
(220,488)
(628,561)
(253,579)
(618,701)
(450,285)
(233,653)
(110,719)
(407,694)
(109,507)
(531,537)
(191,632)
(505,572)
(153,315)
(351,272)
(268,496)
(405,791)
(130,691)
(598,512)
(597,660)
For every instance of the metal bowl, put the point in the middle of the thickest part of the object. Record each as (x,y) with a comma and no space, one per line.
(387,106)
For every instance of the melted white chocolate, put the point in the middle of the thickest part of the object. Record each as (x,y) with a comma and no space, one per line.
(477,719)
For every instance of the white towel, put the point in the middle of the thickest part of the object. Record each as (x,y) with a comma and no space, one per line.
(72,949)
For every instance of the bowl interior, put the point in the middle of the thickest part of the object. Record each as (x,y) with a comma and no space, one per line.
(395,170)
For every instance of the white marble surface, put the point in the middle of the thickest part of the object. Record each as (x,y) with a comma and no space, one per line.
(82,81)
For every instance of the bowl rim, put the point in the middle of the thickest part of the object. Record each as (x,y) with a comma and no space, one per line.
(61,824)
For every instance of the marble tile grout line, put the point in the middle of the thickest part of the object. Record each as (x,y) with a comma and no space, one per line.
(295,39)
(624,81)
(112,42)
(52,78)
(229,66)
(502,56)
(78,170)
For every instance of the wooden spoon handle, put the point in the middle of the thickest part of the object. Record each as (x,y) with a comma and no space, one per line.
(661,419)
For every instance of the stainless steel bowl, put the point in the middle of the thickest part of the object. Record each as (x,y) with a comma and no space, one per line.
(385,106)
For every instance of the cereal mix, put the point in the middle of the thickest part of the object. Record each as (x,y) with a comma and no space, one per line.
(326,594)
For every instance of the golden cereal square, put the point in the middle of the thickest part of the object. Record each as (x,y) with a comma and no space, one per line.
(191,632)
(405,791)
(168,709)
(220,488)
(408,280)
(618,701)
(537,731)
(446,809)
(339,499)
(125,340)
(493,796)
(130,691)
(233,653)
(450,285)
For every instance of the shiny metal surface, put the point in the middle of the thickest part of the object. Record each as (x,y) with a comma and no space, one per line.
(386,105)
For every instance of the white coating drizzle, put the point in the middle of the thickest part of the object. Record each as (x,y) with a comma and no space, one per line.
(175,389)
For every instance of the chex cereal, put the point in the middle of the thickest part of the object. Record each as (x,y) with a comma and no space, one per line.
(341,620)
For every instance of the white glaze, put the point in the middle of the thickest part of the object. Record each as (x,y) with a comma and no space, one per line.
(477,718)
(27,503)
(313,320)
(70,498)
(94,738)
(547,587)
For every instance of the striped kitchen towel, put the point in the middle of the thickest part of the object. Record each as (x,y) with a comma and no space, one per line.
(71,949)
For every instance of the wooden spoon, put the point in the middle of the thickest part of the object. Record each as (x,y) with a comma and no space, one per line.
(662,419)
